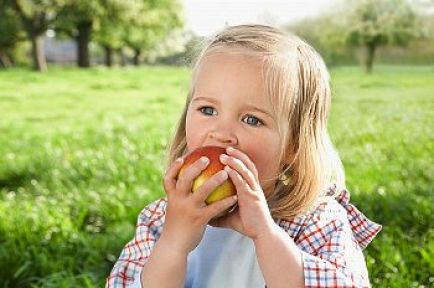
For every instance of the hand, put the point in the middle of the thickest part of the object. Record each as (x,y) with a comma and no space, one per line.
(252,218)
(187,214)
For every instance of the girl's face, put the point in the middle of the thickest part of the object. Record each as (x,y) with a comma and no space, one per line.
(228,108)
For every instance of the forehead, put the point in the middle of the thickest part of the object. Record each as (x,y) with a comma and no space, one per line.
(230,73)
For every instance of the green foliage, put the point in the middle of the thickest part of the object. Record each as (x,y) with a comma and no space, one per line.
(82,152)
(36,15)
(90,11)
(120,14)
(325,33)
(11,30)
(152,24)
(11,34)
(137,24)
(75,12)
(367,24)
(373,22)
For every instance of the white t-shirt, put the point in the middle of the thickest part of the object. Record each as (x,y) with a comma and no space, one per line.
(224,258)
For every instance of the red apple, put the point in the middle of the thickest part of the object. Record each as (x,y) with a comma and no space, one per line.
(213,153)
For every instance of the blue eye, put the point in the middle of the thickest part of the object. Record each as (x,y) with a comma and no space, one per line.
(207,110)
(252,120)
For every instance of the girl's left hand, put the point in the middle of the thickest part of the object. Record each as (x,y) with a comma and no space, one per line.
(252,218)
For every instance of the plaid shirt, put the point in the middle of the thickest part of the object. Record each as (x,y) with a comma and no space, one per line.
(331,239)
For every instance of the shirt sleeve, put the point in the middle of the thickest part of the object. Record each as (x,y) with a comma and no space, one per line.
(137,281)
(136,252)
(332,241)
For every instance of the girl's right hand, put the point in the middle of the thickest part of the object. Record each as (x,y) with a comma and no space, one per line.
(186,213)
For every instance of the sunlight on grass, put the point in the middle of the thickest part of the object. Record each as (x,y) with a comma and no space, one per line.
(83,151)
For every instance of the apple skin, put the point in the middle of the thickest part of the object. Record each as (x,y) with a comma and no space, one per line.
(213,153)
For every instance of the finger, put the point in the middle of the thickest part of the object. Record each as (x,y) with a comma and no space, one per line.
(246,159)
(169,181)
(210,185)
(239,182)
(216,208)
(241,168)
(187,176)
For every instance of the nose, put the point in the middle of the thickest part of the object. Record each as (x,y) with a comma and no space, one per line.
(223,135)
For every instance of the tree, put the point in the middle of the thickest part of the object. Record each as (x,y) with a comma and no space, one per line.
(110,32)
(10,34)
(107,22)
(373,23)
(78,19)
(325,34)
(151,25)
(36,17)
(110,38)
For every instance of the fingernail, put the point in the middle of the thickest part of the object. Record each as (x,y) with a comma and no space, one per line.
(224,157)
(179,160)
(204,160)
(230,149)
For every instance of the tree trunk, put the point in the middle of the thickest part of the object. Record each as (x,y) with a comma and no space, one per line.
(108,56)
(38,55)
(123,57)
(5,60)
(370,55)
(83,40)
(136,58)
(34,26)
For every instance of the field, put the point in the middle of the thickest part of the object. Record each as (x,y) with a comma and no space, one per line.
(83,151)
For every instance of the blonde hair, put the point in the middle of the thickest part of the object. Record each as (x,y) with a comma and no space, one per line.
(298,84)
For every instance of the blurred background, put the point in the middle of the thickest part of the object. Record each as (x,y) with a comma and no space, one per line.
(91,91)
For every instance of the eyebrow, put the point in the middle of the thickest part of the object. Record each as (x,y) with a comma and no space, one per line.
(250,107)
(212,100)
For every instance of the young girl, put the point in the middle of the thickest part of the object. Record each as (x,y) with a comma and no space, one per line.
(264,95)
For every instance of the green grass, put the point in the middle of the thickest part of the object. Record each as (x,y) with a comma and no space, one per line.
(83,151)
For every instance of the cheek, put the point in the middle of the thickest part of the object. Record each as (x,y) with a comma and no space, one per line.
(189,132)
(264,155)
(259,158)
(193,131)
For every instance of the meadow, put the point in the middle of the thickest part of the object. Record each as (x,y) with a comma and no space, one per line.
(83,151)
